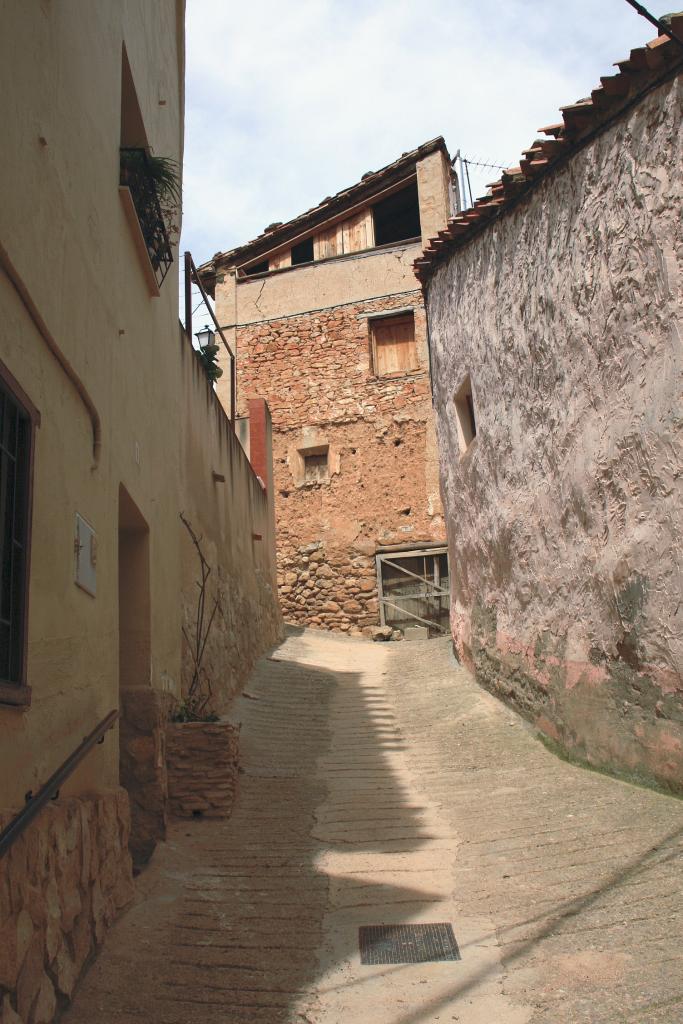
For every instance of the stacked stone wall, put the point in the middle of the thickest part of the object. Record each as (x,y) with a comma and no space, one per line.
(315,372)
(203,764)
(62,884)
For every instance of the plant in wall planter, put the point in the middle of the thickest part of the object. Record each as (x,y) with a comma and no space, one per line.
(163,174)
(202,752)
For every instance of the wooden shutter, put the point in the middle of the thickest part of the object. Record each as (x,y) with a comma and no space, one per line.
(328,243)
(394,347)
(281,259)
(357,232)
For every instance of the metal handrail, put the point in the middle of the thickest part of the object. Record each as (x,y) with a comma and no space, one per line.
(191,274)
(35,804)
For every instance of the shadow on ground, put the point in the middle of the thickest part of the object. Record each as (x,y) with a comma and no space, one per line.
(229,923)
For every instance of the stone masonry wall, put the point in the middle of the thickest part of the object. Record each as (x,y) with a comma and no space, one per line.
(61,885)
(565,517)
(203,765)
(315,372)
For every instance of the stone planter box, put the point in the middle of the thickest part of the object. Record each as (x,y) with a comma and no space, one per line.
(202,760)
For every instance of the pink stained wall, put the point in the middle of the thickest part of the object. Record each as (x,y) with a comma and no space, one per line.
(565,516)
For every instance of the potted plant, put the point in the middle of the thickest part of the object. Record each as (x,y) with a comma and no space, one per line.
(202,751)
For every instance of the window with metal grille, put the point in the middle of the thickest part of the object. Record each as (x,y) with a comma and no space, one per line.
(393,345)
(15,468)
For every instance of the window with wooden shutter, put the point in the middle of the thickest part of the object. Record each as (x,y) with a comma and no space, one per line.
(393,345)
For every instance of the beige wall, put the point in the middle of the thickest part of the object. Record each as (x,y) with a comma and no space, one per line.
(71,248)
(65,234)
(234,516)
(565,516)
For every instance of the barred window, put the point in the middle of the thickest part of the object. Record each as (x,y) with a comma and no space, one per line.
(16,442)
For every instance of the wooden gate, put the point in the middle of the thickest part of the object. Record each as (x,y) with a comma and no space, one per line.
(414,589)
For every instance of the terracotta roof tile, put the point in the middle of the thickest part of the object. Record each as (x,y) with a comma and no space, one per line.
(579,121)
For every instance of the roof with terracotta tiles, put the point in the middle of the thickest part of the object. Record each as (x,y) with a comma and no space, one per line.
(646,66)
(278,234)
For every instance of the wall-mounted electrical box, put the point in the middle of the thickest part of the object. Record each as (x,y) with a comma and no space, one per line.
(85,556)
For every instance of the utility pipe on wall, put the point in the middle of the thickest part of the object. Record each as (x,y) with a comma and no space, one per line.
(22,291)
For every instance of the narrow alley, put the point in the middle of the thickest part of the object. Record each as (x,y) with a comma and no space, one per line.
(380,785)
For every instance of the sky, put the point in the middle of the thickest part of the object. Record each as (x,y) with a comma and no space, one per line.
(290,102)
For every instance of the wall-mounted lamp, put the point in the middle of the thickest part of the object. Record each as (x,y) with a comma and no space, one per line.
(205,337)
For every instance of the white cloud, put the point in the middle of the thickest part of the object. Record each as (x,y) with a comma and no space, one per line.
(288,103)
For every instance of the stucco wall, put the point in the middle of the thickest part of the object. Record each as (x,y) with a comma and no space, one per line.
(67,238)
(233,517)
(565,515)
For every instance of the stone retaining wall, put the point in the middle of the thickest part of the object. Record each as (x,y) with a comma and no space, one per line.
(61,885)
(202,760)
(142,740)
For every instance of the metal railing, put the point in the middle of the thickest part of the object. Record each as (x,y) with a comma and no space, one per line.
(191,275)
(135,173)
(50,791)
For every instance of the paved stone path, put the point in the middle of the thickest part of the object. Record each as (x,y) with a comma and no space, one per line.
(381,785)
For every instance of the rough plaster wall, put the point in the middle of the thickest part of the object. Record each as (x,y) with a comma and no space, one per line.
(315,372)
(564,517)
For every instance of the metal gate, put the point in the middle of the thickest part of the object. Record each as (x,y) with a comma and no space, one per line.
(414,588)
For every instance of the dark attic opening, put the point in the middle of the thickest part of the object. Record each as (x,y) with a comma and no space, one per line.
(397,218)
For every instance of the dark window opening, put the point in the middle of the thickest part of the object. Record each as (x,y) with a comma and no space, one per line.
(303,252)
(133,133)
(15,468)
(397,218)
(258,268)
(464,409)
(470,410)
(315,468)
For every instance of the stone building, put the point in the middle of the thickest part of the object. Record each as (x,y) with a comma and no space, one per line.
(554,310)
(109,429)
(329,327)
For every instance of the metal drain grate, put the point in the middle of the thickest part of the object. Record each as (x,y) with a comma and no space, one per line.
(407,943)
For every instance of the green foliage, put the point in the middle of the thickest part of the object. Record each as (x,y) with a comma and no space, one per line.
(192,709)
(162,170)
(208,357)
(166,175)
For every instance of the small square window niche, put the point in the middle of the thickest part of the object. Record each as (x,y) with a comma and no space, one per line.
(464,412)
(316,470)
